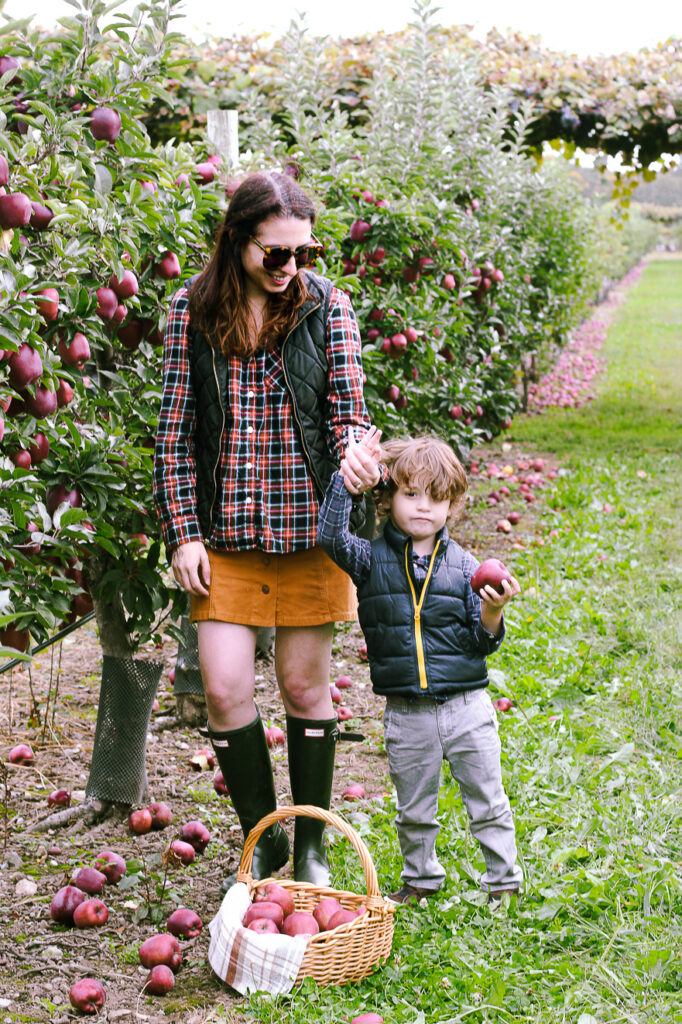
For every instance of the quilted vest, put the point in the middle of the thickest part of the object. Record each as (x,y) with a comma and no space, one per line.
(305,366)
(418,643)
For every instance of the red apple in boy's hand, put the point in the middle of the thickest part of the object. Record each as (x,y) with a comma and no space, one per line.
(490,573)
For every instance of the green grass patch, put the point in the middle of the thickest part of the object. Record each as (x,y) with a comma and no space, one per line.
(592,752)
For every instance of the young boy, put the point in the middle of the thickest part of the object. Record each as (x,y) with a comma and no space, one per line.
(427,636)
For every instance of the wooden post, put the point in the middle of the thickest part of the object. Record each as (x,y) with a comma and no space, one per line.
(222,128)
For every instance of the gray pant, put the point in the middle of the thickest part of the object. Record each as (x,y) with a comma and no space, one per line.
(418,736)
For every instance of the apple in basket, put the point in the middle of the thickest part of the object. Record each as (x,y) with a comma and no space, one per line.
(264,909)
(300,923)
(276,894)
(263,926)
(343,917)
(325,910)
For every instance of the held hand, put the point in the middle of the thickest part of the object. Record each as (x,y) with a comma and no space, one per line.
(359,467)
(494,600)
(191,567)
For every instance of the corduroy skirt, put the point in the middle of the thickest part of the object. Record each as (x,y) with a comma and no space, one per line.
(255,588)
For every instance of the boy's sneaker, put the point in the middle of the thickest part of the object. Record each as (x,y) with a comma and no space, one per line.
(411,894)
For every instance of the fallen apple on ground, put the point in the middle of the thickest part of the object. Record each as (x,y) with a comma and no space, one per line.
(90,880)
(87,995)
(21,754)
(64,902)
(184,851)
(160,980)
(184,923)
(343,713)
(353,792)
(59,798)
(112,866)
(90,914)
(219,784)
(275,736)
(161,816)
(140,821)
(202,759)
(344,682)
(161,949)
(196,834)
(503,704)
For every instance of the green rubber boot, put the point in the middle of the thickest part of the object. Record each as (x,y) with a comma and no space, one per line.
(311,745)
(244,760)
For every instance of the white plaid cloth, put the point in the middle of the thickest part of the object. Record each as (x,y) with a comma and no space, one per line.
(250,961)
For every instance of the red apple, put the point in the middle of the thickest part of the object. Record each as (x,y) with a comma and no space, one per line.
(274,893)
(503,704)
(41,216)
(344,682)
(15,210)
(456,412)
(325,910)
(140,821)
(43,403)
(161,816)
(449,282)
(59,798)
(274,735)
(39,449)
(184,923)
(490,573)
(264,909)
(362,654)
(335,694)
(263,926)
(90,880)
(503,526)
(299,923)
(368,1018)
(64,902)
(168,266)
(126,287)
(219,784)
(205,172)
(76,353)
(21,458)
(513,517)
(184,851)
(49,305)
(56,496)
(87,995)
(130,334)
(161,949)
(201,759)
(120,314)
(107,303)
(4,168)
(196,833)
(112,866)
(359,230)
(10,636)
(105,124)
(426,265)
(353,792)
(160,980)
(399,341)
(90,914)
(21,754)
(64,393)
(25,367)
(343,917)
(411,335)
(343,713)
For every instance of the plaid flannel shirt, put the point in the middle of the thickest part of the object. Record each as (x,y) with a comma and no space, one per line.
(269,501)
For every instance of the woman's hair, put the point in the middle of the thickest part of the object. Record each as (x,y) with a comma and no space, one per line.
(217,298)
(426,462)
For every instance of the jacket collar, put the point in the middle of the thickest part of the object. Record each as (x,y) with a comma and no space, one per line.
(397,540)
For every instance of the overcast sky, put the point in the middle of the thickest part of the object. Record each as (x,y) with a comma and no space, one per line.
(579,26)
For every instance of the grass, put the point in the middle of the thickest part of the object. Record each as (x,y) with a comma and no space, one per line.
(592,752)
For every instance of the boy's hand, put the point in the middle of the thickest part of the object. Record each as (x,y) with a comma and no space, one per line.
(492,598)
(492,603)
(360,465)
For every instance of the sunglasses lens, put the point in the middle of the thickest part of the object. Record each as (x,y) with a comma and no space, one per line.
(278,256)
(304,257)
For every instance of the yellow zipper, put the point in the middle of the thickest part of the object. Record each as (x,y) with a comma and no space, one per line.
(423,682)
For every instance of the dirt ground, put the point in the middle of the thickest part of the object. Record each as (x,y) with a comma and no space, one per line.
(40,960)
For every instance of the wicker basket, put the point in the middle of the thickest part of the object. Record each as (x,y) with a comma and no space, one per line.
(351,951)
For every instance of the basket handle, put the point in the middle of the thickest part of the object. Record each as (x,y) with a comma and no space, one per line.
(309,811)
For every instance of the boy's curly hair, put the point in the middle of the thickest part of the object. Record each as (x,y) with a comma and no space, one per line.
(428,462)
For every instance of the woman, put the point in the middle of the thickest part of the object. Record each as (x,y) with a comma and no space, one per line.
(262,379)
